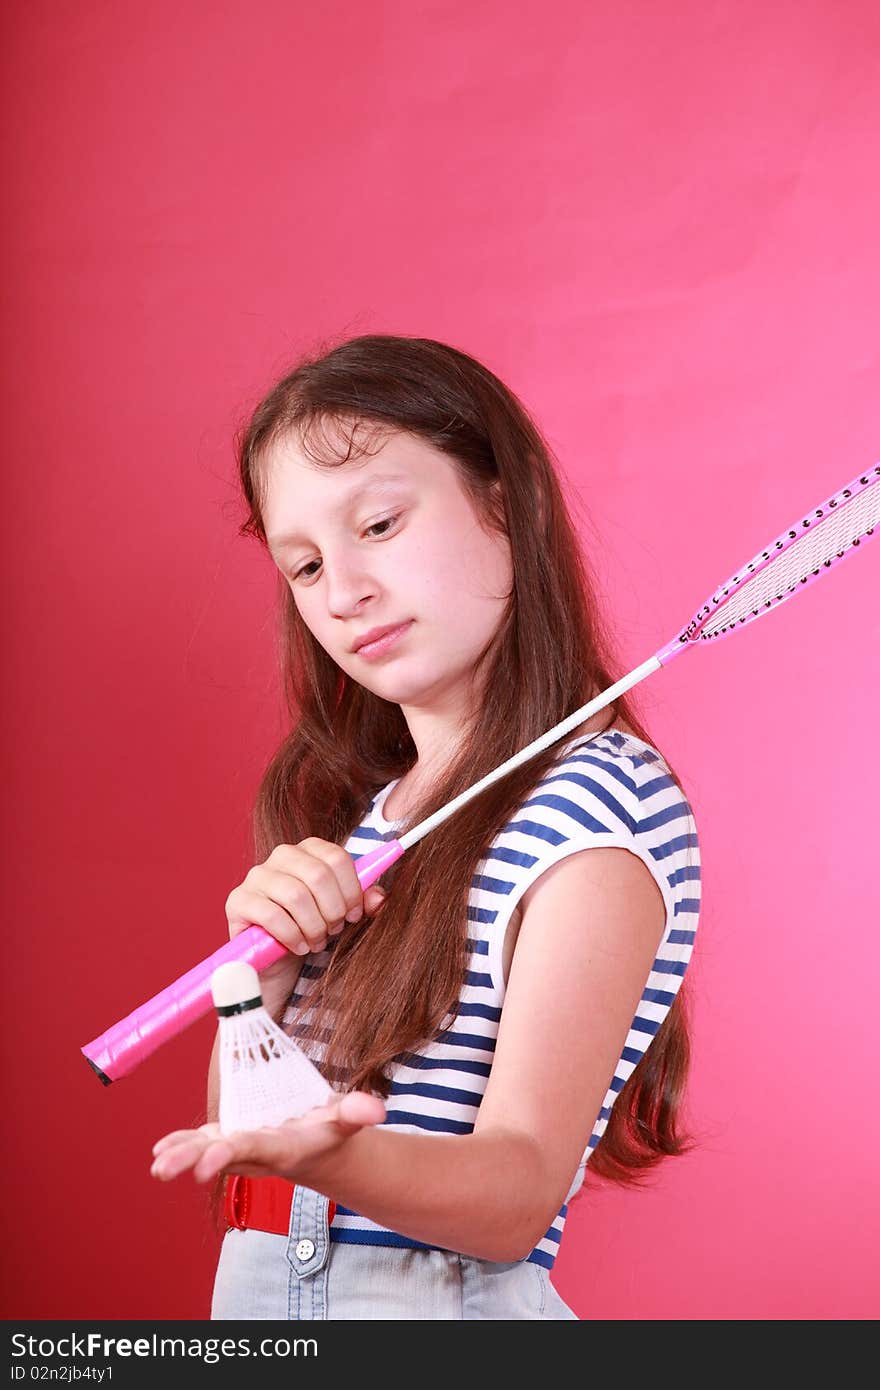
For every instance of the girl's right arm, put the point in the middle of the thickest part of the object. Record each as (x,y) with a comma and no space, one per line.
(301,894)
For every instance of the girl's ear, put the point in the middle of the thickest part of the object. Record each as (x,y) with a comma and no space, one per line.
(498,491)
(496,487)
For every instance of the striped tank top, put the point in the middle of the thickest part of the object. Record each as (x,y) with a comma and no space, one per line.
(608,789)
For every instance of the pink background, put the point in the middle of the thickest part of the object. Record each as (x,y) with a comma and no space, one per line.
(658,224)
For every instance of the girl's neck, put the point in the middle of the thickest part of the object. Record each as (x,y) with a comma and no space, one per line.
(413,783)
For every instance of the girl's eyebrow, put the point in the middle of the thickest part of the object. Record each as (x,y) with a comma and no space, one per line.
(378,482)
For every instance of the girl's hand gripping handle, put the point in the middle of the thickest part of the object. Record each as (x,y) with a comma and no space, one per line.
(118,1051)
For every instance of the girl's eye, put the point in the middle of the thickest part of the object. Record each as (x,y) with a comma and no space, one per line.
(386,521)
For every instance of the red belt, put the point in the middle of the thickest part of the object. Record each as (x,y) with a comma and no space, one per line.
(261,1204)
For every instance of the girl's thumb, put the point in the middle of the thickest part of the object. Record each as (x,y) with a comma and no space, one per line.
(374,898)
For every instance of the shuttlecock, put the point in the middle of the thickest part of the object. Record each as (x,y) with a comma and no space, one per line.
(265,1077)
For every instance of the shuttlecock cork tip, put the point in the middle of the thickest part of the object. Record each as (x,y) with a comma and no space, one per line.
(236,982)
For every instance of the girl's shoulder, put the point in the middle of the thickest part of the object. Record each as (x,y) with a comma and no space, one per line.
(616,738)
(615,770)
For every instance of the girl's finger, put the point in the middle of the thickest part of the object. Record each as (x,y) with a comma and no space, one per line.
(178,1157)
(349,1112)
(173,1162)
(177,1136)
(344,1115)
(359,1109)
(215,1158)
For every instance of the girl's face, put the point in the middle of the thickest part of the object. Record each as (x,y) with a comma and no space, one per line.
(382,540)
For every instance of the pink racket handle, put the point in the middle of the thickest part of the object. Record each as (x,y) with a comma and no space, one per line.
(119,1050)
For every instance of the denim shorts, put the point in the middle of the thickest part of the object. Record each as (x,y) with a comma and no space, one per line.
(304,1276)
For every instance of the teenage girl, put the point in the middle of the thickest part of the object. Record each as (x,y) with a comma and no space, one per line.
(508,1006)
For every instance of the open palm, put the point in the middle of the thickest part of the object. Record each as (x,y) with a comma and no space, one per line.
(271,1151)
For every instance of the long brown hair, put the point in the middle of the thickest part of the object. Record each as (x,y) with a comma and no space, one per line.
(394,979)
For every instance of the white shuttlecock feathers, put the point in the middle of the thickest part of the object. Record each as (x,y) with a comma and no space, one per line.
(265,1077)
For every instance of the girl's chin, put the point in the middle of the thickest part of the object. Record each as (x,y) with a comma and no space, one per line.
(402,687)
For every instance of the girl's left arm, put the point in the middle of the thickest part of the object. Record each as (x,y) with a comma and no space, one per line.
(590,929)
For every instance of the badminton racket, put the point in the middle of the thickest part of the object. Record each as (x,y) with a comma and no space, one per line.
(801,554)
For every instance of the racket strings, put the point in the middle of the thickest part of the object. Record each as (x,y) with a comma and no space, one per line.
(818,547)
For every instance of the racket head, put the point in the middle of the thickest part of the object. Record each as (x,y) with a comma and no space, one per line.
(806,550)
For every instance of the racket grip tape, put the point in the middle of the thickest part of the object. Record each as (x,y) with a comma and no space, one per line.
(118,1051)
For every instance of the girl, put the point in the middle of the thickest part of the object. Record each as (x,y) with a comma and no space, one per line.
(509,1007)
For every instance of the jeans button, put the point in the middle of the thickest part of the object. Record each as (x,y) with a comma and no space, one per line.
(305,1249)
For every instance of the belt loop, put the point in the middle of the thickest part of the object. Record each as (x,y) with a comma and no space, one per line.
(308,1251)
(237,1200)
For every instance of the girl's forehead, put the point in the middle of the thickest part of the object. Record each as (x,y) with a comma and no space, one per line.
(294,471)
(298,486)
(342,453)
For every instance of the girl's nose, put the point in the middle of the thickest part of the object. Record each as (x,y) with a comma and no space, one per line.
(348,586)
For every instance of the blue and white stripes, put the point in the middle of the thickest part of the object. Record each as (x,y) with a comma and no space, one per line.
(605,790)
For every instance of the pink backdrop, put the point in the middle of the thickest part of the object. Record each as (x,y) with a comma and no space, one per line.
(658,224)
